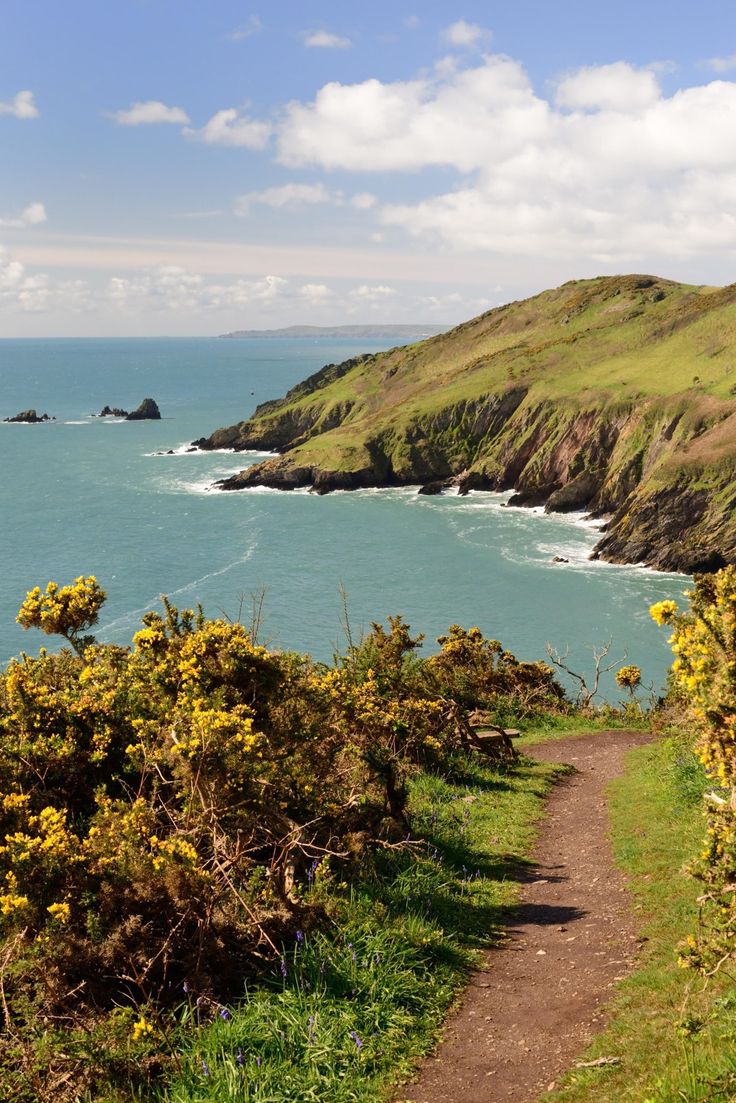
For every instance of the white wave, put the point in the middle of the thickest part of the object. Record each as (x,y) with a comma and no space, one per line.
(78,422)
(391,492)
(268,490)
(186,448)
(205,485)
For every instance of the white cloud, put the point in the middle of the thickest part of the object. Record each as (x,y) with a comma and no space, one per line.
(377,291)
(172,288)
(230,128)
(21,106)
(363,201)
(246,30)
(325,40)
(722,64)
(150,112)
(286,196)
(34,293)
(465,34)
(458,121)
(412,22)
(32,215)
(616,87)
(316,293)
(612,172)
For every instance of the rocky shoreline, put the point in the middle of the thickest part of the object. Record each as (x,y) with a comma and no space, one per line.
(649,529)
(655,457)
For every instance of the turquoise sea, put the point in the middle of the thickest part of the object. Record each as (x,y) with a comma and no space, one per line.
(89,496)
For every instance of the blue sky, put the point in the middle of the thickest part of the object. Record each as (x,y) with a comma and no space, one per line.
(181,168)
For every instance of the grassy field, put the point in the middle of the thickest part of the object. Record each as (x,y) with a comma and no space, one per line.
(348,1011)
(674,1033)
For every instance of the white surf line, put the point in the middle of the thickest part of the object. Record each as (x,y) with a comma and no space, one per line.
(126,617)
(186,448)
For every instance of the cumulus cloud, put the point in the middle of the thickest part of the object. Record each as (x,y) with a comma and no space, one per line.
(150,112)
(374,126)
(616,87)
(377,292)
(172,288)
(34,293)
(246,30)
(32,215)
(285,196)
(611,168)
(316,294)
(230,127)
(21,106)
(465,34)
(325,40)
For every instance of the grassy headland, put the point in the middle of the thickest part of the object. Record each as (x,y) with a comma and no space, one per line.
(614,394)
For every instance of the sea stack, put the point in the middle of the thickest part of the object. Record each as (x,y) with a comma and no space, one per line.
(28,417)
(147,411)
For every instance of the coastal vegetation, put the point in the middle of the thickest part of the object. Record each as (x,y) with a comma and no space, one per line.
(614,395)
(191,814)
(229,872)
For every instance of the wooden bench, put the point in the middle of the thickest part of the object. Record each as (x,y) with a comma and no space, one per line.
(493,741)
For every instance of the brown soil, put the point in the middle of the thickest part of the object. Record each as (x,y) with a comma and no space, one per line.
(539,998)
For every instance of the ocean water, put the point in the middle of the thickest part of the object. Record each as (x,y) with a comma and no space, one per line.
(89,496)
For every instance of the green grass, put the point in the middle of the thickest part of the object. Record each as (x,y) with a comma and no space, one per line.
(643,378)
(674,1033)
(365,997)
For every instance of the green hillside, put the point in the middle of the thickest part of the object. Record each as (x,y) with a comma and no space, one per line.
(615,394)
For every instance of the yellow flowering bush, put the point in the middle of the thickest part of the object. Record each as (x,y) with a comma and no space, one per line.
(480,674)
(64,610)
(628,677)
(163,805)
(704,674)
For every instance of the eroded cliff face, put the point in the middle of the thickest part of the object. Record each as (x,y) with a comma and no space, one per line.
(632,465)
(521,399)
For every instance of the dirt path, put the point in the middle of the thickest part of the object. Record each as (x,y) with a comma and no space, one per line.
(537,1002)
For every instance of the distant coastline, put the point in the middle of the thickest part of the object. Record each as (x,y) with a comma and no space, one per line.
(369,332)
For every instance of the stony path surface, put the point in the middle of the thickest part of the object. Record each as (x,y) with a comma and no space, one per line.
(532,1009)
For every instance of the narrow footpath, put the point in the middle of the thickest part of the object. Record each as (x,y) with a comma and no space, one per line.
(537,1002)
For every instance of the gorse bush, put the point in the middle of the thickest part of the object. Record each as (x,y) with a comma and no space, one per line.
(704,676)
(166,807)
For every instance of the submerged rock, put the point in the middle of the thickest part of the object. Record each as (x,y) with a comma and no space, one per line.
(435,487)
(147,411)
(28,417)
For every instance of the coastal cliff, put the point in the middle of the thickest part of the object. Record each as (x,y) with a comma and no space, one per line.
(614,395)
